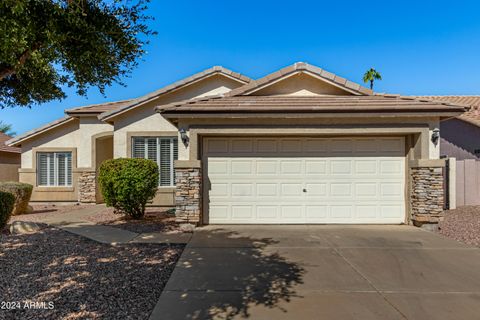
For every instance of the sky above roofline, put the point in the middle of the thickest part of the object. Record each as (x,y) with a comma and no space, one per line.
(420,47)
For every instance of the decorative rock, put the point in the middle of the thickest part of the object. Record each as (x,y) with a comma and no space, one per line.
(23,227)
(187,227)
(29,210)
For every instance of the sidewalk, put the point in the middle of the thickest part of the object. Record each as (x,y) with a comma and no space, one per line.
(77,223)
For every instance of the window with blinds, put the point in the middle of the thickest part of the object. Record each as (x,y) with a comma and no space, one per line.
(162,150)
(54,169)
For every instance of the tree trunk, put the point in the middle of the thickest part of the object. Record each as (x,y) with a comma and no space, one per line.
(371,84)
(8,71)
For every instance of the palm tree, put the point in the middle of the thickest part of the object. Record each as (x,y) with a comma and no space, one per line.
(370,76)
(6,128)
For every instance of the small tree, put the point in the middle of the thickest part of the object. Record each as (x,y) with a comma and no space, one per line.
(128,184)
(370,76)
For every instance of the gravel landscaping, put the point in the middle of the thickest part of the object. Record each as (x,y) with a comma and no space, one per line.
(462,224)
(45,211)
(155,220)
(83,279)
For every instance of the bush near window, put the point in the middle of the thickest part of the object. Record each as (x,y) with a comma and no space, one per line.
(22,193)
(7,201)
(128,184)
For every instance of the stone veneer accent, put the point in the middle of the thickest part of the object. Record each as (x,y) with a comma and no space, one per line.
(187,195)
(427,193)
(86,187)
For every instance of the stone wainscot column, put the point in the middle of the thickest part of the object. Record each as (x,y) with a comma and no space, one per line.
(188,197)
(87,187)
(427,191)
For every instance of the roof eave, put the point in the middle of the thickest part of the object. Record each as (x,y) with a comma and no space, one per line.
(33,133)
(107,116)
(308,114)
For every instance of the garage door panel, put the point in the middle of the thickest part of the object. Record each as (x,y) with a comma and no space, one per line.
(329,180)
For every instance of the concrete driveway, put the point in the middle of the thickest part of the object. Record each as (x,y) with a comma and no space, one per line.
(322,272)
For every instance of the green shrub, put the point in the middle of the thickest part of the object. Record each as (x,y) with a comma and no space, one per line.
(128,184)
(7,201)
(22,193)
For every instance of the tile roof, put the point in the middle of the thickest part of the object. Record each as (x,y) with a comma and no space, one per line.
(4,147)
(174,86)
(301,67)
(331,104)
(99,108)
(15,141)
(472,116)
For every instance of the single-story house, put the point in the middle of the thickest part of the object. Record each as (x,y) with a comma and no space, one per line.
(300,145)
(10,158)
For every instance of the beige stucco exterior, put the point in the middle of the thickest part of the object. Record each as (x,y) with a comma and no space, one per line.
(92,141)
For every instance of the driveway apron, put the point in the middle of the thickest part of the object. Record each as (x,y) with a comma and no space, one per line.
(322,272)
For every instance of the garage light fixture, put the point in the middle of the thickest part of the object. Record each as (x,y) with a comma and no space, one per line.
(184,136)
(435,136)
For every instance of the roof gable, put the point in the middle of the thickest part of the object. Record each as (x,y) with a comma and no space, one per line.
(301,79)
(189,81)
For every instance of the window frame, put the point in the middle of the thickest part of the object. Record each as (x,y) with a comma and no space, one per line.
(158,139)
(56,172)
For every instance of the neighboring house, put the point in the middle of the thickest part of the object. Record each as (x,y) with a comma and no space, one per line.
(461,135)
(9,160)
(300,145)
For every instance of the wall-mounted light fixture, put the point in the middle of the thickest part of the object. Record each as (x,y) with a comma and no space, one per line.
(435,136)
(184,136)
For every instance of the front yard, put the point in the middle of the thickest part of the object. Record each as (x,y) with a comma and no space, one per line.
(462,224)
(83,279)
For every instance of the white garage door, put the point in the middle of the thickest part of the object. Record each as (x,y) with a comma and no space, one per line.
(304,180)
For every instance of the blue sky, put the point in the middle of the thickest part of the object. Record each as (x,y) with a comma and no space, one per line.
(420,47)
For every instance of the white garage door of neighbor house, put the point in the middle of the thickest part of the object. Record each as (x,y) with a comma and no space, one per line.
(304,180)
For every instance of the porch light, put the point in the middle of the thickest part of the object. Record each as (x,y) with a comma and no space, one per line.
(435,136)
(183,135)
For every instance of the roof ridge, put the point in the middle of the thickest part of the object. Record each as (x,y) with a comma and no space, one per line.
(302,66)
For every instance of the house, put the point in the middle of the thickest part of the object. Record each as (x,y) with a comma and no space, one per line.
(461,135)
(300,145)
(9,159)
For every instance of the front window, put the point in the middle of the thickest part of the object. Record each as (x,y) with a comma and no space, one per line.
(54,169)
(162,150)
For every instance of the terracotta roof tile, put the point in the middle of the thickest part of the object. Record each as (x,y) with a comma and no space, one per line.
(4,147)
(135,102)
(285,104)
(300,67)
(472,116)
(99,108)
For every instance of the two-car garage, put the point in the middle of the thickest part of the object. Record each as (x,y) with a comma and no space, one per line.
(274,180)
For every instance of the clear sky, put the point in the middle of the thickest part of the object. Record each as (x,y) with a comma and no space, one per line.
(420,47)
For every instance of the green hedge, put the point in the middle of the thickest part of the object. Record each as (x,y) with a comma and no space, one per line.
(128,184)
(7,201)
(22,193)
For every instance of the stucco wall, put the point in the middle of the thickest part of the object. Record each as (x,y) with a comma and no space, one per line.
(76,134)
(423,127)
(144,118)
(461,139)
(301,85)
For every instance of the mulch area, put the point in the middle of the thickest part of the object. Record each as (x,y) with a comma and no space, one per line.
(462,224)
(83,279)
(155,220)
(44,211)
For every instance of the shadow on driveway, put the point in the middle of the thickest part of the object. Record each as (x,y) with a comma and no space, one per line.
(222,274)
